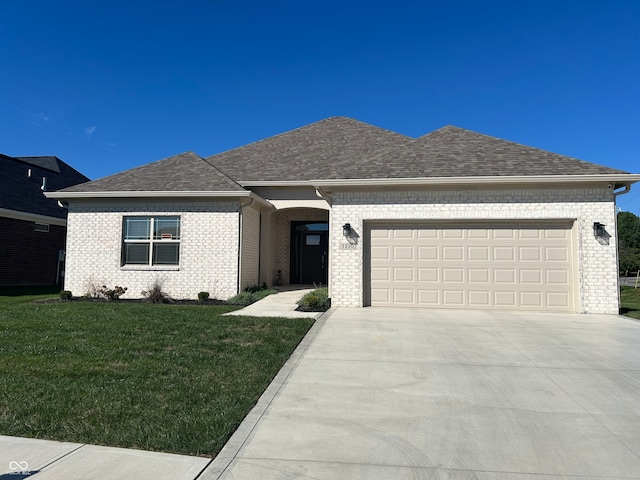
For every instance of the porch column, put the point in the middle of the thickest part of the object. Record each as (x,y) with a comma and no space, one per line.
(266,248)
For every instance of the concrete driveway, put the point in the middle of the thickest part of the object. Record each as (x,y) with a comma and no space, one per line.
(442,394)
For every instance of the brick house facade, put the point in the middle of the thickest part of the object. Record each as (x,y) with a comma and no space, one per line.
(453,219)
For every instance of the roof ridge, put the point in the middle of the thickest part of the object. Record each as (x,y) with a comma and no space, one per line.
(309,125)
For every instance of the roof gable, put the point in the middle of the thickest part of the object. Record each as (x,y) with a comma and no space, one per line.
(332,148)
(186,172)
(456,152)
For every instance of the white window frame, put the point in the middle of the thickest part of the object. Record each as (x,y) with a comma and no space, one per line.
(151,240)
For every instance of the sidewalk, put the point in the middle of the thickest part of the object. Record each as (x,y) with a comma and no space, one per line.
(49,460)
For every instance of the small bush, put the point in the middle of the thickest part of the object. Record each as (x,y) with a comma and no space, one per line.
(203,297)
(65,294)
(111,293)
(256,288)
(156,295)
(315,301)
(247,298)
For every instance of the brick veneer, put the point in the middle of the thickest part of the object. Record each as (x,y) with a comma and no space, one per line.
(597,275)
(29,257)
(208,248)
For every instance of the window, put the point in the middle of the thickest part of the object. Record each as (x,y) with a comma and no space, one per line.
(151,241)
(41,227)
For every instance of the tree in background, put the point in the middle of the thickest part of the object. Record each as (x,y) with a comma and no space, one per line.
(628,242)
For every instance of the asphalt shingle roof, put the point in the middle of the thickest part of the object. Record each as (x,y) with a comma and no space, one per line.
(181,173)
(456,152)
(22,193)
(327,149)
(344,148)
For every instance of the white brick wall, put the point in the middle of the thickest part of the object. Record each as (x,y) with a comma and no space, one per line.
(250,264)
(597,276)
(208,249)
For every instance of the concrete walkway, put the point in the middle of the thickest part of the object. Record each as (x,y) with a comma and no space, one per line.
(410,393)
(281,304)
(48,460)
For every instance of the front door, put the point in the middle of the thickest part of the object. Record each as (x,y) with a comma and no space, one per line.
(310,247)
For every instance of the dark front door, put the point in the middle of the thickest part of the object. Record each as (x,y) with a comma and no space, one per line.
(310,247)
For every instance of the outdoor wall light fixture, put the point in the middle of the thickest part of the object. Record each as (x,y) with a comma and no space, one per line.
(598,230)
(346,230)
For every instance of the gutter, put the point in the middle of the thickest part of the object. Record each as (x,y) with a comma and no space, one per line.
(128,194)
(616,180)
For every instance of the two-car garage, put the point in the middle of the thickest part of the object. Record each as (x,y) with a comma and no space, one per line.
(510,265)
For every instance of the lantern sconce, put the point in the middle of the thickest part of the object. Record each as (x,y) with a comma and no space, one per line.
(599,230)
(346,230)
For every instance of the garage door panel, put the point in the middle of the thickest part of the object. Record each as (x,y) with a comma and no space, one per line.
(429,297)
(499,266)
(454,253)
(479,275)
(403,296)
(380,253)
(453,297)
(403,274)
(529,254)
(479,298)
(531,277)
(381,296)
(556,254)
(504,275)
(428,253)
(452,275)
(478,254)
(504,254)
(560,300)
(557,277)
(380,274)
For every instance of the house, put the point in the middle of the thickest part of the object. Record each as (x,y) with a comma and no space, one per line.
(33,227)
(452,219)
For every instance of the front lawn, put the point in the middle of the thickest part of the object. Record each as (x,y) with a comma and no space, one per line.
(630,302)
(155,377)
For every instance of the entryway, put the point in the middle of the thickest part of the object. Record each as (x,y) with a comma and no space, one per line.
(309,252)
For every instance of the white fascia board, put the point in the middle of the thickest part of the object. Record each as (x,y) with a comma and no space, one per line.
(625,179)
(156,194)
(276,183)
(32,217)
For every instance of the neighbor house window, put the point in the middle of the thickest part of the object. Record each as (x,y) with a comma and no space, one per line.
(151,241)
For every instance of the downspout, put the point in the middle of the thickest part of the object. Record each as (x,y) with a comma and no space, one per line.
(242,207)
(627,187)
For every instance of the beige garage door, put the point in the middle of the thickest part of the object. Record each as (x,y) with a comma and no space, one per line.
(495,266)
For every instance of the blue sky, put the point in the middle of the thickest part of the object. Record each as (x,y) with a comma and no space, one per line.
(110,85)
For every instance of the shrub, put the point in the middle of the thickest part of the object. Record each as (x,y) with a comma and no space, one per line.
(315,301)
(256,288)
(203,297)
(156,295)
(247,298)
(65,294)
(111,293)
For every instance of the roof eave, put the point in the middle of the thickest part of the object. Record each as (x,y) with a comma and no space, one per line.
(62,195)
(617,179)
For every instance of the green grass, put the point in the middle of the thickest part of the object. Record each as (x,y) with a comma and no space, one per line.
(156,377)
(630,302)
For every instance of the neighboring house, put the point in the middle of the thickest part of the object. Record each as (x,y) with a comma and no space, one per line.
(33,227)
(450,219)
